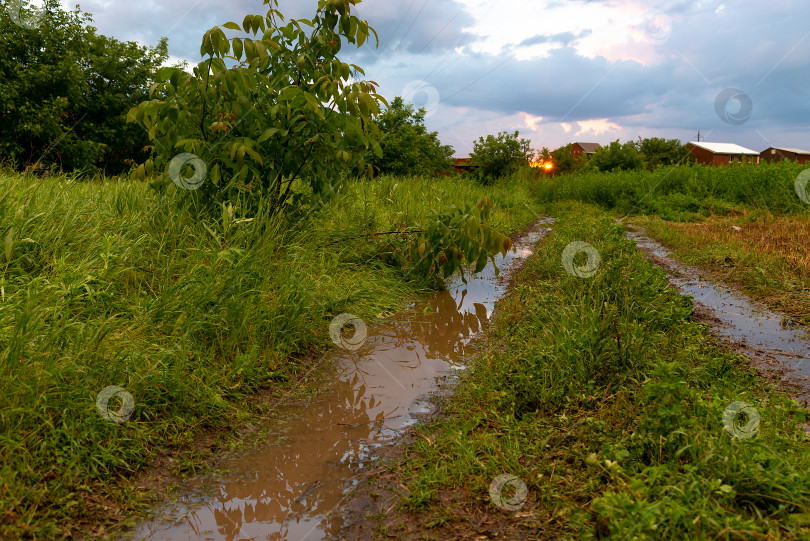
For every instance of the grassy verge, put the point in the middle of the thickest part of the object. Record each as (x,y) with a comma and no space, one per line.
(683,193)
(607,401)
(765,256)
(108,284)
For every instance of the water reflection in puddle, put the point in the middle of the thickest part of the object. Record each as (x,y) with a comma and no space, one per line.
(744,321)
(292,488)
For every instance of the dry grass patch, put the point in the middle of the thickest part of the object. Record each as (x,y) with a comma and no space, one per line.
(768,257)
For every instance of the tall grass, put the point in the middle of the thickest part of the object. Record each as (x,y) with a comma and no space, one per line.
(108,283)
(682,192)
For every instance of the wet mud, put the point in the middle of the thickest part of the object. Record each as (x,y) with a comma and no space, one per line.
(294,483)
(777,347)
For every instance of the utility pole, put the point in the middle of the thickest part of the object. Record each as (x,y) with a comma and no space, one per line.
(698,140)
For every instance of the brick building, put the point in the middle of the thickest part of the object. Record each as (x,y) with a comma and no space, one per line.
(722,153)
(464,165)
(777,154)
(583,150)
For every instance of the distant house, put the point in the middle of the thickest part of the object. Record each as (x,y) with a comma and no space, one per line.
(777,154)
(722,153)
(464,165)
(582,150)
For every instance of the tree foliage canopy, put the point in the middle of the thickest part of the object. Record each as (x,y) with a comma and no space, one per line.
(564,159)
(286,110)
(660,151)
(65,90)
(407,146)
(616,157)
(500,155)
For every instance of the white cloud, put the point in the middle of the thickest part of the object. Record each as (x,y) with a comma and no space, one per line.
(597,127)
(532,122)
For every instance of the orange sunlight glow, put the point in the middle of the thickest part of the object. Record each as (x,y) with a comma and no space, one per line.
(548,166)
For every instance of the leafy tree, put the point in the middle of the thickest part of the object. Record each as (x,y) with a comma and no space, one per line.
(544,154)
(287,110)
(659,151)
(564,159)
(407,146)
(286,123)
(617,157)
(65,90)
(501,155)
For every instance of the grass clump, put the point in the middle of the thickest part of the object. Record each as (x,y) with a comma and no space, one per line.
(606,399)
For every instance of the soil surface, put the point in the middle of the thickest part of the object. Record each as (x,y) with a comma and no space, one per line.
(373,511)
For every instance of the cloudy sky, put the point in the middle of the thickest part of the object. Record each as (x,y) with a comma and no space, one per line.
(558,71)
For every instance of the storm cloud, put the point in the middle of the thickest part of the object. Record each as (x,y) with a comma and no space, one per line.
(557,71)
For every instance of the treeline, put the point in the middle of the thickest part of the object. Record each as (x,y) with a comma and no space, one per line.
(65,91)
(641,154)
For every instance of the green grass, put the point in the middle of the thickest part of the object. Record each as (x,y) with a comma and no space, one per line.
(606,399)
(682,193)
(107,283)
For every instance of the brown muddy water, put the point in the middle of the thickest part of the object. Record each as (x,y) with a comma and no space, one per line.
(755,330)
(292,486)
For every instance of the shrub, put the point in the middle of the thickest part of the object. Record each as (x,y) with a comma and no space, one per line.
(407,147)
(501,155)
(287,111)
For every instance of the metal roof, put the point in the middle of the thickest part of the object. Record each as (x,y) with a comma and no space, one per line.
(589,147)
(793,150)
(724,148)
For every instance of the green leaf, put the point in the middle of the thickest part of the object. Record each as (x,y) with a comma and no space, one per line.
(132,114)
(250,50)
(481,263)
(9,243)
(207,47)
(268,133)
(289,93)
(232,26)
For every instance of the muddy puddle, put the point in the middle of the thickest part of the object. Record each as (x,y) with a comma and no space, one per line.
(292,486)
(750,327)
